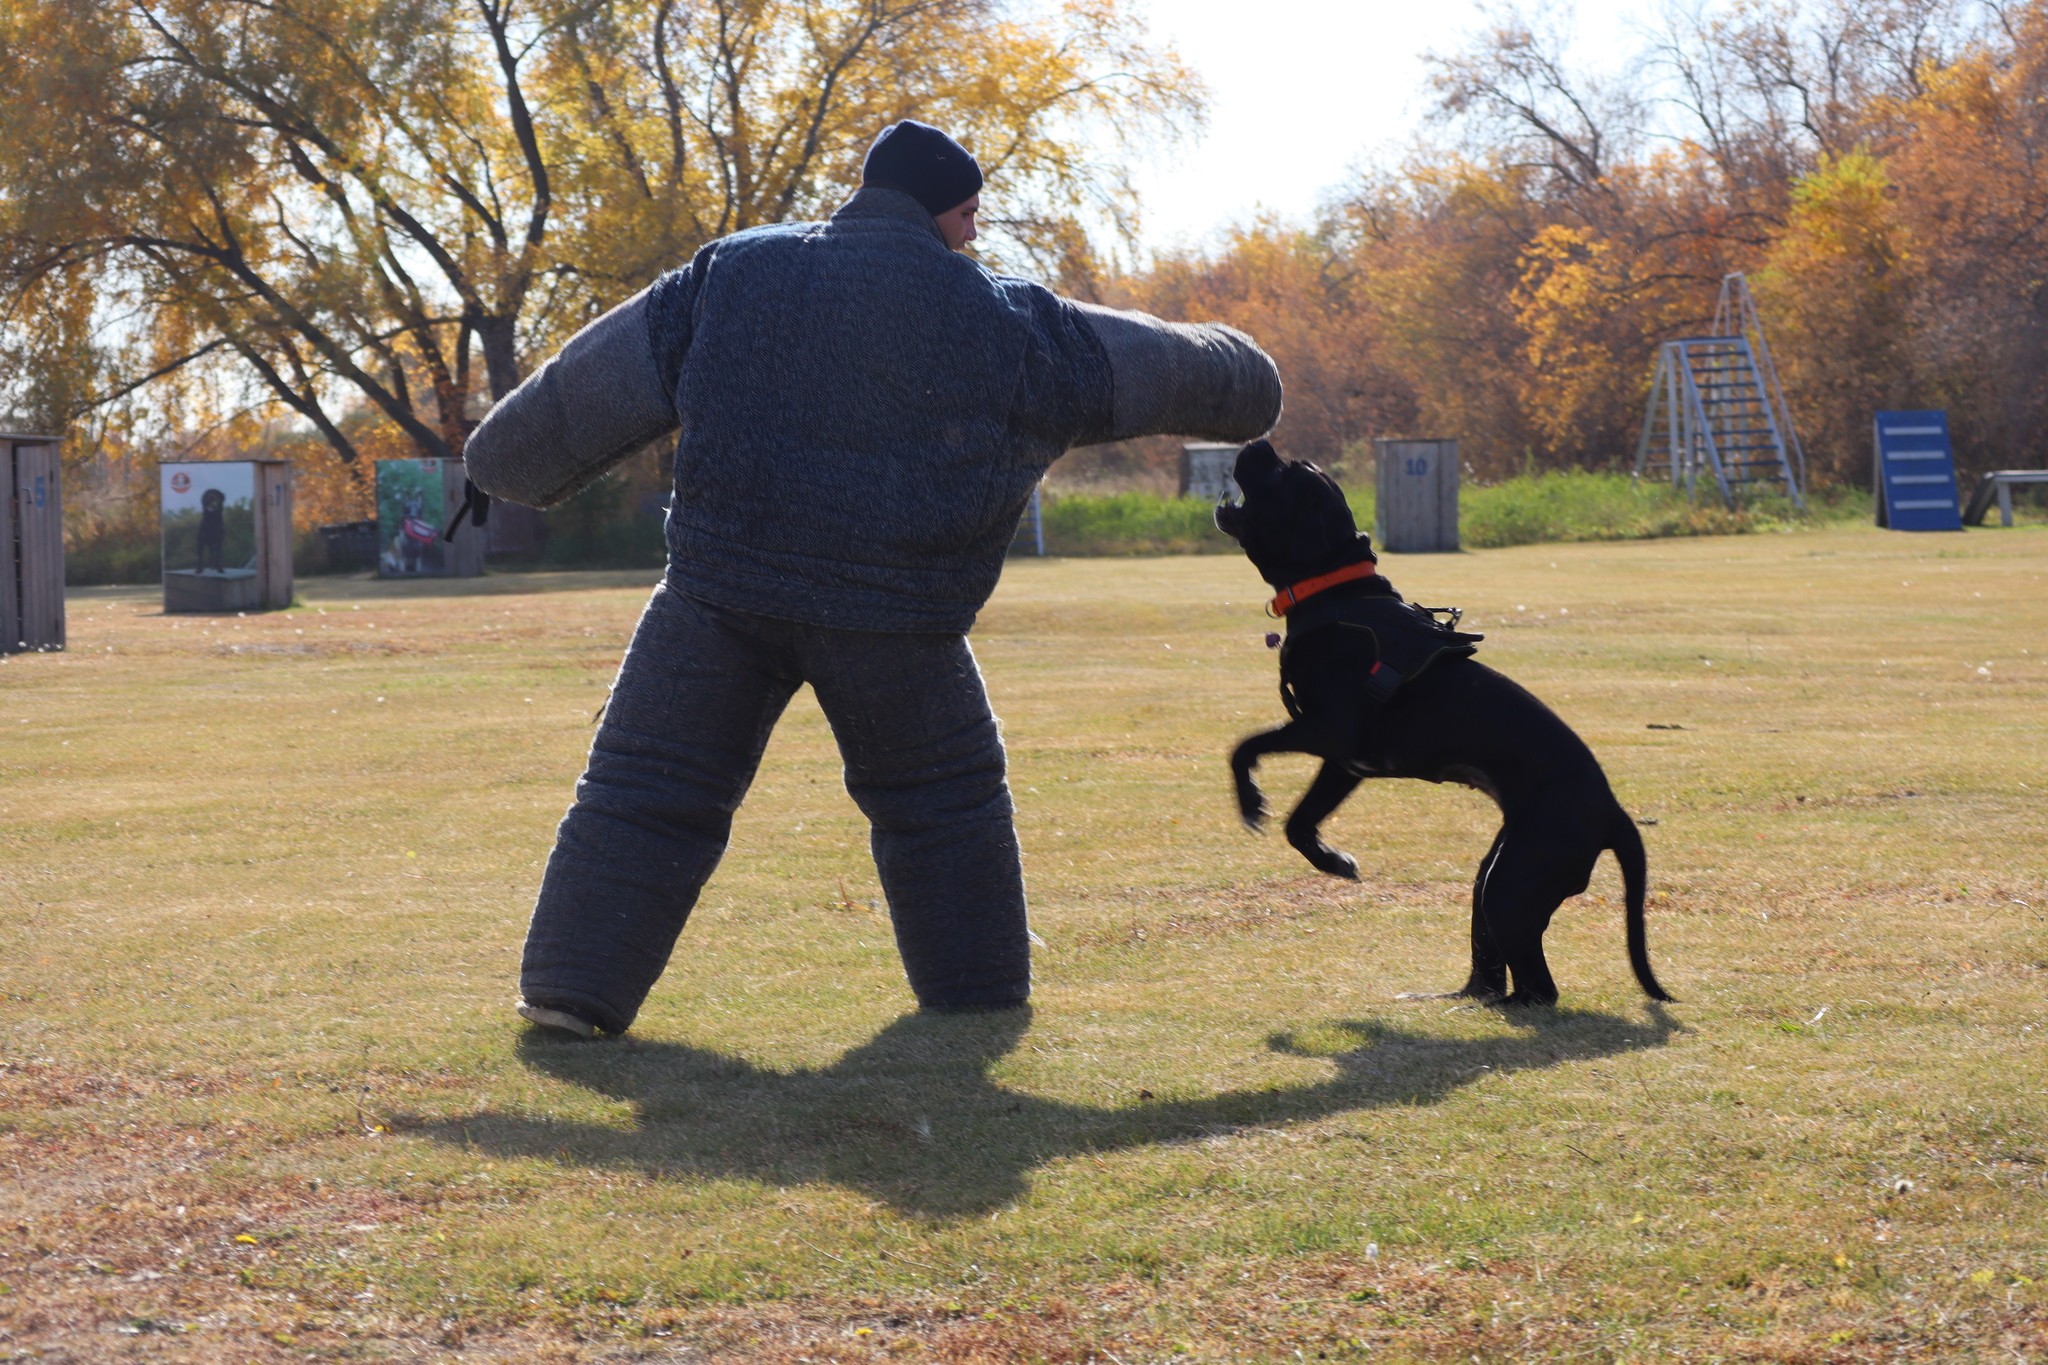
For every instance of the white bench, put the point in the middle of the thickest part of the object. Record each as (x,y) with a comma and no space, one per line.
(1999,483)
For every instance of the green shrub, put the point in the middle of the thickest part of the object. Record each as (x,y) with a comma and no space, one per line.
(1526,510)
(1130,524)
(1580,504)
(309,556)
(113,552)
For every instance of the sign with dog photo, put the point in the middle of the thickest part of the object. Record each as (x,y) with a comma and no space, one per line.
(412,507)
(416,499)
(209,536)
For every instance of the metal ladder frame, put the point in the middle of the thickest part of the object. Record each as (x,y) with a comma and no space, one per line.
(1735,315)
(1690,443)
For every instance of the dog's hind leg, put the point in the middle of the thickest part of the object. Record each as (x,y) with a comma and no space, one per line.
(1489,979)
(1335,782)
(1524,880)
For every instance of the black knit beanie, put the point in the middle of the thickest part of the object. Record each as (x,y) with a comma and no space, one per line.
(925,164)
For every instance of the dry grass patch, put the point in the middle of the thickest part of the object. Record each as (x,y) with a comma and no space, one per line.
(267,878)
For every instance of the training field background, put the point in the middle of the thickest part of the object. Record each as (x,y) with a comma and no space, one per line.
(262,1097)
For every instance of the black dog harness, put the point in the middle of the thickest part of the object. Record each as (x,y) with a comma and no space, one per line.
(1406,638)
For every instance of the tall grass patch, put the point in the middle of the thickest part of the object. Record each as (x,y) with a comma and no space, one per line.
(1554,507)
(1130,524)
(1577,505)
(1138,523)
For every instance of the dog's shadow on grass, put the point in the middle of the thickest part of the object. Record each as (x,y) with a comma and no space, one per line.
(913,1118)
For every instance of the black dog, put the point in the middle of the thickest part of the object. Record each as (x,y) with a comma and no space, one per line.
(1378,689)
(213,529)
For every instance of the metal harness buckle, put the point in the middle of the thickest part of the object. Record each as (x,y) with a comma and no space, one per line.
(1456,614)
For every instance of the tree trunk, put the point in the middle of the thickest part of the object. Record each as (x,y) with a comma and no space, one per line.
(501,363)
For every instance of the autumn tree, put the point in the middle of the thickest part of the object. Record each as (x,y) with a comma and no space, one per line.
(1522,275)
(333,205)
(1838,287)
(1966,207)
(1291,289)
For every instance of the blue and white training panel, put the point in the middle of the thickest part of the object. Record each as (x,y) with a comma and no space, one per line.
(1916,472)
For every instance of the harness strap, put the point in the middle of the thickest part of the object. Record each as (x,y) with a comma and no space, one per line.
(1398,630)
(1382,678)
(1294,596)
(476,505)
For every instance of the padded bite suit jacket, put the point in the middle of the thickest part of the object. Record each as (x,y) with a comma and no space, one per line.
(863,412)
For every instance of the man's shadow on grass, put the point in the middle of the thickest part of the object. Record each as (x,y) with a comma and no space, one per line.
(912,1118)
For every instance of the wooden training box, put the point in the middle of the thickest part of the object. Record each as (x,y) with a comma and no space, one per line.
(1418,496)
(417,499)
(1205,471)
(31,544)
(245,562)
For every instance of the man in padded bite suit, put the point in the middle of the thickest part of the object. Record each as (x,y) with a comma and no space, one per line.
(864,412)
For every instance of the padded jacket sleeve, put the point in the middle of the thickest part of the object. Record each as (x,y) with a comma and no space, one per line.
(1183,379)
(598,400)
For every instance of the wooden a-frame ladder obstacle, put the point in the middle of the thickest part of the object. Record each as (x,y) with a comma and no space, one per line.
(1716,410)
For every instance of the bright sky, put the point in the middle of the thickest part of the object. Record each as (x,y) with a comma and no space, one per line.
(1303,90)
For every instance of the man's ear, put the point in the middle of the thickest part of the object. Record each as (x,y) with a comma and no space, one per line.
(1258,464)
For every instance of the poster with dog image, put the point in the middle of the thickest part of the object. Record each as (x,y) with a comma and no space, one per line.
(411,510)
(209,518)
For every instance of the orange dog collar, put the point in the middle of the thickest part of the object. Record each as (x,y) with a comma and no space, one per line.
(1292,597)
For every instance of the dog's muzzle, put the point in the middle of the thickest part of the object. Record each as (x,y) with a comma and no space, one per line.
(1229,517)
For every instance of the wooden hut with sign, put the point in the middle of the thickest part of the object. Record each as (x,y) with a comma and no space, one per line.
(227,528)
(1206,469)
(417,505)
(1418,496)
(31,543)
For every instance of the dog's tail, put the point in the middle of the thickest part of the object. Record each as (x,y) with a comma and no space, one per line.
(1628,851)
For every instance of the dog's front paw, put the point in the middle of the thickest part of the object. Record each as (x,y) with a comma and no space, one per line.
(1320,855)
(1326,859)
(1251,808)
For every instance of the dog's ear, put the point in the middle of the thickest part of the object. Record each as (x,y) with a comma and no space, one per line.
(1258,464)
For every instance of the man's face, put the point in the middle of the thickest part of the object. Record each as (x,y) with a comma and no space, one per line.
(956,224)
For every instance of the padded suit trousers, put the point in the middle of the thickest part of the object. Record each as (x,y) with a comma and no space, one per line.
(699,691)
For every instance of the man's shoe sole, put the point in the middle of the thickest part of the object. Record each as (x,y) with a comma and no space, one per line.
(556,1019)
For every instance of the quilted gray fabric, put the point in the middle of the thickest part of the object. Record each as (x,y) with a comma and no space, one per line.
(864,413)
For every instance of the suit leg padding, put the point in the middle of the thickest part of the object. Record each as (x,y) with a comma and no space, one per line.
(681,738)
(924,761)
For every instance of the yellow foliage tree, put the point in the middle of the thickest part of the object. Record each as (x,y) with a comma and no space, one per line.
(1837,289)
(327,205)
(1571,283)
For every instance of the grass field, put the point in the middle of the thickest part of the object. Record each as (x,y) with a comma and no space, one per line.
(263,1099)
